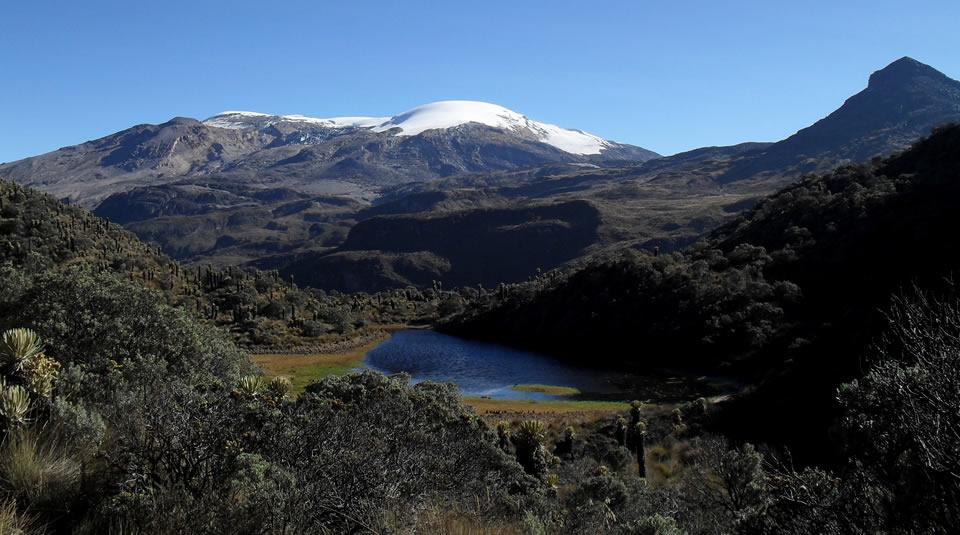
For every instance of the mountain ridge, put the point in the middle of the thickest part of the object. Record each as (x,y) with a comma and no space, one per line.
(440,115)
(285,189)
(352,157)
(901,103)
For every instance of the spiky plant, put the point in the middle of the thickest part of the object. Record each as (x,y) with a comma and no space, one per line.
(19,346)
(251,385)
(279,388)
(531,431)
(15,405)
(531,453)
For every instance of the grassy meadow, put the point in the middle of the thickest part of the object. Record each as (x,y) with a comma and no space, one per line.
(304,369)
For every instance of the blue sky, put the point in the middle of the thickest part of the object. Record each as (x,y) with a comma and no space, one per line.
(666,75)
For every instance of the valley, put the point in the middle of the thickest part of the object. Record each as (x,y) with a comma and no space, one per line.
(313,198)
(458,317)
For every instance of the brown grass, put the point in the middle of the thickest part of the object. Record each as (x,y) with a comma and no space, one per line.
(557,415)
(13,522)
(552,390)
(550,406)
(456,524)
(305,369)
(666,461)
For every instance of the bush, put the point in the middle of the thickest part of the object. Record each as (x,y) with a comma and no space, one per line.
(113,328)
(653,525)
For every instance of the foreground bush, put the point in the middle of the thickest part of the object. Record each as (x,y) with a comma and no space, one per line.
(360,452)
(104,329)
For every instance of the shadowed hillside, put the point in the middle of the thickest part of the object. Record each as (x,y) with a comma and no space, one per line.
(463,248)
(42,237)
(788,295)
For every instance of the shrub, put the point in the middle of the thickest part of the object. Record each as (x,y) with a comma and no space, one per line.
(118,331)
(530,443)
(653,525)
(81,427)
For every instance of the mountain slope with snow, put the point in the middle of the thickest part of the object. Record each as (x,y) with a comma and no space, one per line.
(434,116)
(242,120)
(351,156)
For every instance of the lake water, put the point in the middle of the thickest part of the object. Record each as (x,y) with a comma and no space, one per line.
(478,368)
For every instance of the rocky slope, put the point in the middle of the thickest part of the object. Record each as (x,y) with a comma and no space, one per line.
(347,156)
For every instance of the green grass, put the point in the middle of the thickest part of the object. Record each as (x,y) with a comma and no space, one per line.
(305,369)
(551,390)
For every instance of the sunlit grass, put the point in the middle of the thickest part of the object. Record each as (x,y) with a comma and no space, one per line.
(305,369)
(486,405)
(550,390)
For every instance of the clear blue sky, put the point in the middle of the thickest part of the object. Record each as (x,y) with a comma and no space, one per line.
(668,75)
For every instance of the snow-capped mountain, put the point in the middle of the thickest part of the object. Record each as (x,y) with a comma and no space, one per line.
(434,116)
(353,156)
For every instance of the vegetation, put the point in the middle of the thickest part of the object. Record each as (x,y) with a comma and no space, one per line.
(539,406)
(788,295)
(163,445)
(124,410)
(302,370)
(262,310)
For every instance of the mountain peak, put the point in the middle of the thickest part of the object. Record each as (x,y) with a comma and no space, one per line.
(902,103)
(183,121)
(451,113)
(903,71)
(439,115)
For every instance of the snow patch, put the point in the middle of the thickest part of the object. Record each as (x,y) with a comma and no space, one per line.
(435,116)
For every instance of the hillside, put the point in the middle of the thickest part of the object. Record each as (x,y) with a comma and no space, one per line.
(244,188)
(664,202)
(787,296)
(464,248)
(39,233)
(40,236)
(901,103)
(301,194)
